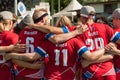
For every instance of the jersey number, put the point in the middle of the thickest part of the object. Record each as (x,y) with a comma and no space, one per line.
(95,43)
(57,57)
(29,43)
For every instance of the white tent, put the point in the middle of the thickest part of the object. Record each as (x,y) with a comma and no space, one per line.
(73,5)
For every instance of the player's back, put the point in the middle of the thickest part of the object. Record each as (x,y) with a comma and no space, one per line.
(62,59)
(96,38)
(32,38)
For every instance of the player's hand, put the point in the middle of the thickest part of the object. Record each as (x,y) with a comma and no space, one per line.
(81,29)
(111,48)
(19,47)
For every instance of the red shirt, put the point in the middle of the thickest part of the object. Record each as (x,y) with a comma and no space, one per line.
(62,59)
(6,38)
(96,38)
(32,38)
(116,57)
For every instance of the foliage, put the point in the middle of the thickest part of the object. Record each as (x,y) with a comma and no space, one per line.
(63,4)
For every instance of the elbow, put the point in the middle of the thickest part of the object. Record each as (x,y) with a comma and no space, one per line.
(54,40)
(50,30)
(31,58)
(111,57)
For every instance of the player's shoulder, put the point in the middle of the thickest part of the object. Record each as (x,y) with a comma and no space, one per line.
(98,24)
(71,28)
(75,40)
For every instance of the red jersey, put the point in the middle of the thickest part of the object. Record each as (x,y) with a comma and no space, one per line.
(117,58)
(95,38)
(6,38)
(32,38)
(62,58)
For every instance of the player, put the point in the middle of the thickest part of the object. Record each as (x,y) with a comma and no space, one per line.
(63,61)
(96,38)
(7,38)
(112,48)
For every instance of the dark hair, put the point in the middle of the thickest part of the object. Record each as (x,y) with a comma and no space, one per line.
(103,19)
(19,27)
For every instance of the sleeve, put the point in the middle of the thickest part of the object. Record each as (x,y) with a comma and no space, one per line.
(81,48)
(14,39)
(65,29)
(115,37)
(48,35)
(40,51)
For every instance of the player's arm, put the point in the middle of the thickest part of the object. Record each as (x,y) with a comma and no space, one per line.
(38,54)
(25,56)
(48,29)
(112,49)
(36,65)
(103,58)
(16,47)
(60,38)
(91,56)
(6,48)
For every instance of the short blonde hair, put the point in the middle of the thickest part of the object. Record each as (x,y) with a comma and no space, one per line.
(63,21)
(38,13)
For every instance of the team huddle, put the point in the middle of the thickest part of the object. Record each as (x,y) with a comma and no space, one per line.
(38,51)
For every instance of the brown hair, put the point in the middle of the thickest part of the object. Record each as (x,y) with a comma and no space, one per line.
(63,21)
(1,27)
(15,18)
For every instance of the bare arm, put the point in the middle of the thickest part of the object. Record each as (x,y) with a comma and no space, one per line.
(60,38)
(25,57)
(47,29)
(103,58)
(91,56)
(6,48)
(78,74)
(36,65)
(18,47)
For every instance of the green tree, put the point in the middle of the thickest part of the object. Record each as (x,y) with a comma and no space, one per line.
(63,4)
